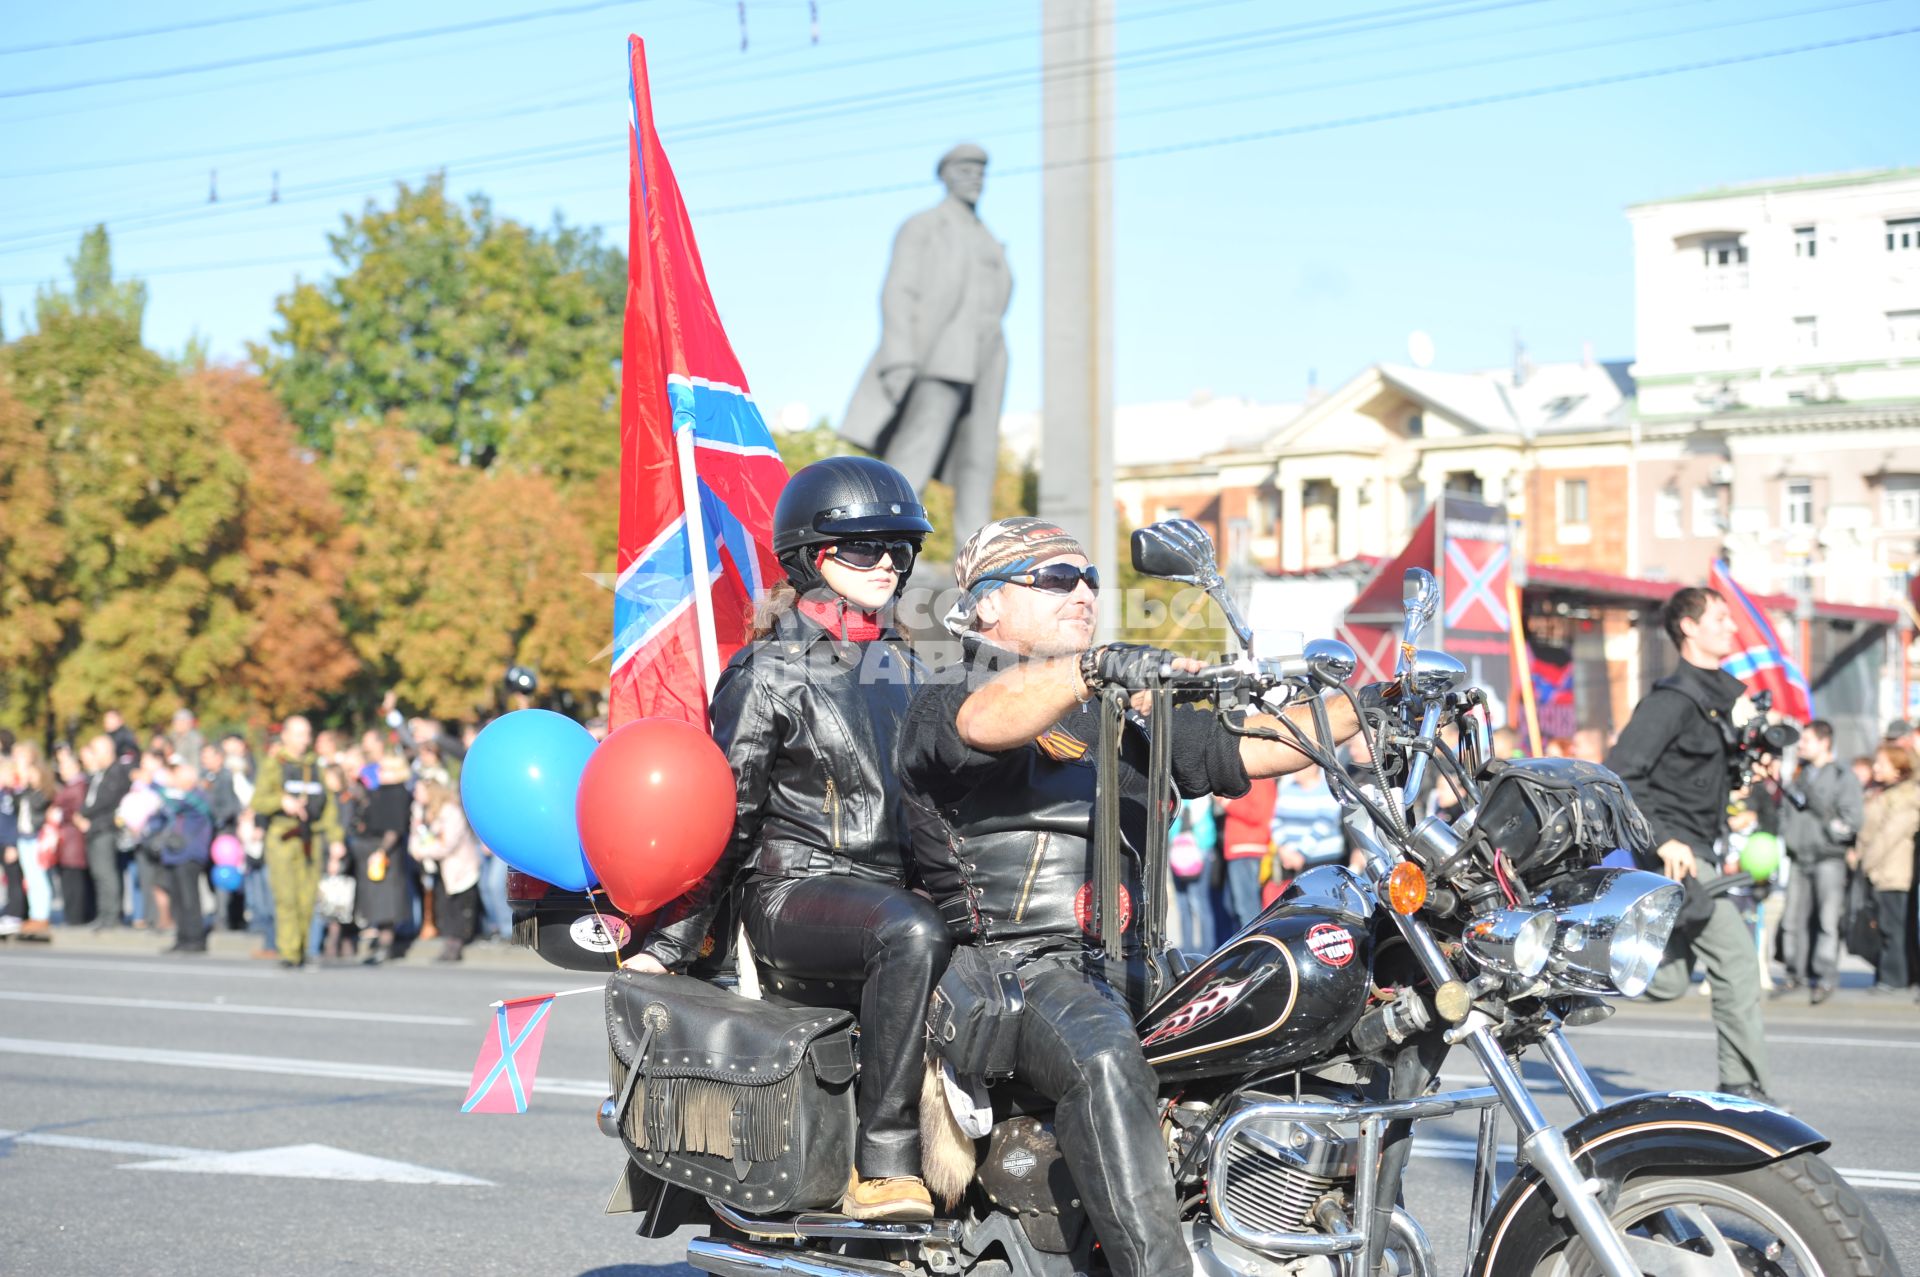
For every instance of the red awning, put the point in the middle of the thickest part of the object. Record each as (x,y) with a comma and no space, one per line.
(1607,585)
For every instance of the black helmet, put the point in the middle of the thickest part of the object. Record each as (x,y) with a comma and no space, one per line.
(837,499)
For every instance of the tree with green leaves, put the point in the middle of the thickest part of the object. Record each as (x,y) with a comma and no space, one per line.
(135,609)
(162,539)
(96,294)
(474,331)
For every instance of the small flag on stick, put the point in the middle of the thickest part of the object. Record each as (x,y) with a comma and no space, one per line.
(509,1056)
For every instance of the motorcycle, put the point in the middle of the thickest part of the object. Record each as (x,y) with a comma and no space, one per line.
(1296,1060)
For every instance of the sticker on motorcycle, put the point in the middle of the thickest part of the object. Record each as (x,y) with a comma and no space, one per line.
(598,933)
(1208,1006)
(1332,945)
(1083,908)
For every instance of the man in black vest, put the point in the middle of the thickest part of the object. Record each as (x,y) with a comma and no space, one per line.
(998,765)
(1676,756)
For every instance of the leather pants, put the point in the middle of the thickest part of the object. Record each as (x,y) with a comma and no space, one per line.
(842,927)
(1078,1047)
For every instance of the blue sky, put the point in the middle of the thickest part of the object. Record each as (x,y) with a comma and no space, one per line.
(1243,267)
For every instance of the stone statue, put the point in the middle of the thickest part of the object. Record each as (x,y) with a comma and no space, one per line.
(929,402)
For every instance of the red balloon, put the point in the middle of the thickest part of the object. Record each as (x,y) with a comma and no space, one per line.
(655,809)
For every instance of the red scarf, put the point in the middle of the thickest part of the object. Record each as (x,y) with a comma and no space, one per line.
(836,618)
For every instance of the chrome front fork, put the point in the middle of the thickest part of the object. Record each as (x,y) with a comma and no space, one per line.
(1539,1142)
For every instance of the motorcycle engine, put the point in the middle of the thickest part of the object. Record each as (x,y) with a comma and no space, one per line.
(1275,1172)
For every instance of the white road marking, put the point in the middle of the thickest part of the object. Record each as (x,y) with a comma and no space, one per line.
(194,968)
(295,1161)
(310,1161)
(280,1064)
(47,1139)
(232,1008)
(1795,1039)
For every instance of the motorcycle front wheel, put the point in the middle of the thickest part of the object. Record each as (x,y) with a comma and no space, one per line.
(1795,1218)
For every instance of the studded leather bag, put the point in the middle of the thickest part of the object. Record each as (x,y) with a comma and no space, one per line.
(744,1100)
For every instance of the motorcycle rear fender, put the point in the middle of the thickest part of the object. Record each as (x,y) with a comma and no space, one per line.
(1673,1129)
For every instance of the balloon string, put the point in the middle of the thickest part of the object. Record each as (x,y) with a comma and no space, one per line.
(619,963)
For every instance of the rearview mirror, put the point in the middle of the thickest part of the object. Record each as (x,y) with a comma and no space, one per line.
(1175,550)
(1420,595)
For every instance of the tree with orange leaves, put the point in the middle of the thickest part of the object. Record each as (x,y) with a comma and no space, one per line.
(296,551)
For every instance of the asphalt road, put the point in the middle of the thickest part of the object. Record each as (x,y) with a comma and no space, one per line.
(129,1083)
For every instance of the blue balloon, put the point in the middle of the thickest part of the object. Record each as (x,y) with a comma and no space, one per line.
(518,785)
(228,878)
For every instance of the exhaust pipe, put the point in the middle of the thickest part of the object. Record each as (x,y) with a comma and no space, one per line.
(740,1259)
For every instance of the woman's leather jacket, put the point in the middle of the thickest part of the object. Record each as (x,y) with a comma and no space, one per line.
(808,723)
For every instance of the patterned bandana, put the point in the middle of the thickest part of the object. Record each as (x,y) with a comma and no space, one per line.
(1000,549)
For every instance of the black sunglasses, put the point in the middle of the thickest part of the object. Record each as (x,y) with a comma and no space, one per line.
(1054,578)
(862,555)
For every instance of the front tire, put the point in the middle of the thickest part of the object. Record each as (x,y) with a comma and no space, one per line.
(1794,1218)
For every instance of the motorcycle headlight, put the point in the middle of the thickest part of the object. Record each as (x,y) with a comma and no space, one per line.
(1512,941)
(1610,929)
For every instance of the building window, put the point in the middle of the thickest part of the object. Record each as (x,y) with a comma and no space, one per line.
(1797,509)
(1706,512)
(1464,484)
(1900,503)
(1573,503)
(1239,542)
(1713,341)
(1903,234)
(1416,425)
(1666,512)
(1718,253)
(1725,263)
(1806,243)
(1416,503)
(1903,327)
(1899,582)
(1168,512)
(1799,579)
(1806,332)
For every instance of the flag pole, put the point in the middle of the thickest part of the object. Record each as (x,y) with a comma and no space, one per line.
(697,548)
(1523,669)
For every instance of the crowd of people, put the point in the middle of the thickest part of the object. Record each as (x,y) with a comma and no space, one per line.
(325,846)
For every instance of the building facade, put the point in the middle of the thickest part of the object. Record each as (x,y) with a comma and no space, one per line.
(1771,416)
(1778,335)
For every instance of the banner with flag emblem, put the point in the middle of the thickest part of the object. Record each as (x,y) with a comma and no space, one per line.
(679,377)
(1760,661)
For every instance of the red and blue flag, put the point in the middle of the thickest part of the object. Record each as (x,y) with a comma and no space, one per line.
(509,1056)
(679,373)
(1760,661)
(1552,672)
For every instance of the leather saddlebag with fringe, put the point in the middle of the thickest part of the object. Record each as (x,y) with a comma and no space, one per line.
(731,1097)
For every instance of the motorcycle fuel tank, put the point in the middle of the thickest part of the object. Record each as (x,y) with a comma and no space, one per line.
(1284,991)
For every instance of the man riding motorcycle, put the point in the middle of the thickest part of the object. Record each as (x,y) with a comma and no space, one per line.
(997,761)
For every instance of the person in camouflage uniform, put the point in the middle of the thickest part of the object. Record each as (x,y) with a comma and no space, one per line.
(301,827)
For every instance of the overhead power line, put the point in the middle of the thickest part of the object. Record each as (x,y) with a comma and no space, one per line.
(755,75)
(310,51)
(1233,139)
(914,95)
(1344,122)
(74,42)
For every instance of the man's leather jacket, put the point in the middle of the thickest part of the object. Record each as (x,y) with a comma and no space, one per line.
(1004,841)
(808,724)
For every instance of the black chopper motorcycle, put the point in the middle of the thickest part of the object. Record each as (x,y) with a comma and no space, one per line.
(1295,1061)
